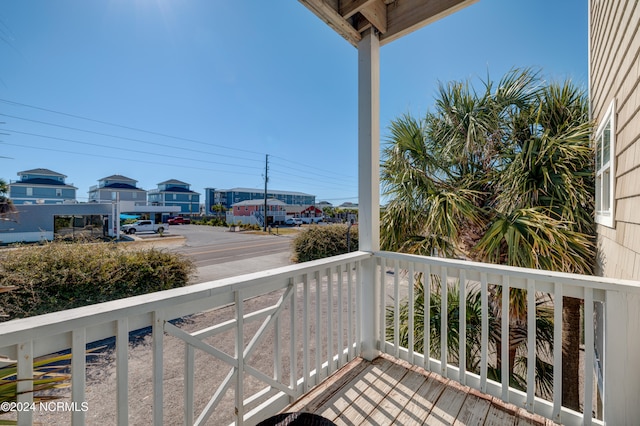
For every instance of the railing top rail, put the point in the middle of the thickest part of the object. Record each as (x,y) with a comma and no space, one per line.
(588,281)
(20,330)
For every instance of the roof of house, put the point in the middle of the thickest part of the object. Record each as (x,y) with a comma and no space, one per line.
(120,185)
(312,209)
(177,189)
(40,172)
(118,177)
(173,182)
(43,181)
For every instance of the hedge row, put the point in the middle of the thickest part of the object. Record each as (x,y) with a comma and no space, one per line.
(60,276)
(318,242)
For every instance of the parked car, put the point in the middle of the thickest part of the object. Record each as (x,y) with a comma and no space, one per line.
(293,221)
(178,220)
(309,220)
(142,226)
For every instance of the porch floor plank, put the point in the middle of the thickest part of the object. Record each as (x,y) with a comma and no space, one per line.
(388,391)
(447,407)
(475,409)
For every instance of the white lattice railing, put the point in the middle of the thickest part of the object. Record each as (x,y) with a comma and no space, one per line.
(301,319)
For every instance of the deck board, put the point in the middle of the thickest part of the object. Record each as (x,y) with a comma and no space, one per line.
(475,410)
(498,416)
(396,401)
(388,391)
(423,400)
(447,407)
(334,407)
(367,394)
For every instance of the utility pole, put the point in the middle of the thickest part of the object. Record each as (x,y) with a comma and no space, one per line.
(266,180)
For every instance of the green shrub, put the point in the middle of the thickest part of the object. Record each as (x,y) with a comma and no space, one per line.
(211,222)
(60,276)
(318,242)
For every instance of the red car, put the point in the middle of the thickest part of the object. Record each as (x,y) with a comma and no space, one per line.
(178,220)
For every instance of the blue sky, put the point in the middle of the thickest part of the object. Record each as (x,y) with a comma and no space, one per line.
(202,90)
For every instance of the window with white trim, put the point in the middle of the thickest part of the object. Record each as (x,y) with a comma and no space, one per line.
(605,172)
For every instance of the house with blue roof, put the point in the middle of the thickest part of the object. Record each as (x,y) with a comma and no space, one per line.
(173,192)
(117,187)
(41,186)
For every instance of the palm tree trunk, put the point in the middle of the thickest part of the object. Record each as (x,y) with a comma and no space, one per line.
(570,351)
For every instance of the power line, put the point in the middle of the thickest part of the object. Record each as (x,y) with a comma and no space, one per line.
(131,150)
(307,172)
(109,157)
(139,160)
(313,180)
(124,138)
(128,127)
(333,174)
(308,166)
(142,131)
(326,175)
(304,177)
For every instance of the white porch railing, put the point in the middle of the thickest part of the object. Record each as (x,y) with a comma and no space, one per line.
(247,346)
(301,319)
(400,275)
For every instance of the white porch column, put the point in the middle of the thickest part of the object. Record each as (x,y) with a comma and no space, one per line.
(622,359)
(369,185)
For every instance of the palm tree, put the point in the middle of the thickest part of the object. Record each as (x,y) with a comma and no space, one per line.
(503,175)
(6,206)
(544,326)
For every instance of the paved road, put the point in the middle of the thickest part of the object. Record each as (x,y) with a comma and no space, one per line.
(218,253)
(238,247)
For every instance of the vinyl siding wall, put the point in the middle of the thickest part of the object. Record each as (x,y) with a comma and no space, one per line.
(615,76)
(18,194)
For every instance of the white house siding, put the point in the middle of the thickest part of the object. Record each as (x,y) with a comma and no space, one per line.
(615,76)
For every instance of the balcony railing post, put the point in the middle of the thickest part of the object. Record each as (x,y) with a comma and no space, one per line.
(622,359)
(369,182)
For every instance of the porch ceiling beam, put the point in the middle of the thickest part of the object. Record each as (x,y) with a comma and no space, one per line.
(348,8)
(392,18)
(376,13)
(327,10)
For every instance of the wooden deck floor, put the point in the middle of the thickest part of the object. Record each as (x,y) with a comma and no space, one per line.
(392,392)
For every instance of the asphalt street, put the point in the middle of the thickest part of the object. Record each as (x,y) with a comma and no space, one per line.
(218,253)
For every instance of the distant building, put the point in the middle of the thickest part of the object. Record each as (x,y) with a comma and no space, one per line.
(112,188)
(252,212)
(210,200)
(41,186)
(228,197)
(349,205)
(175,193)
(37,222)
